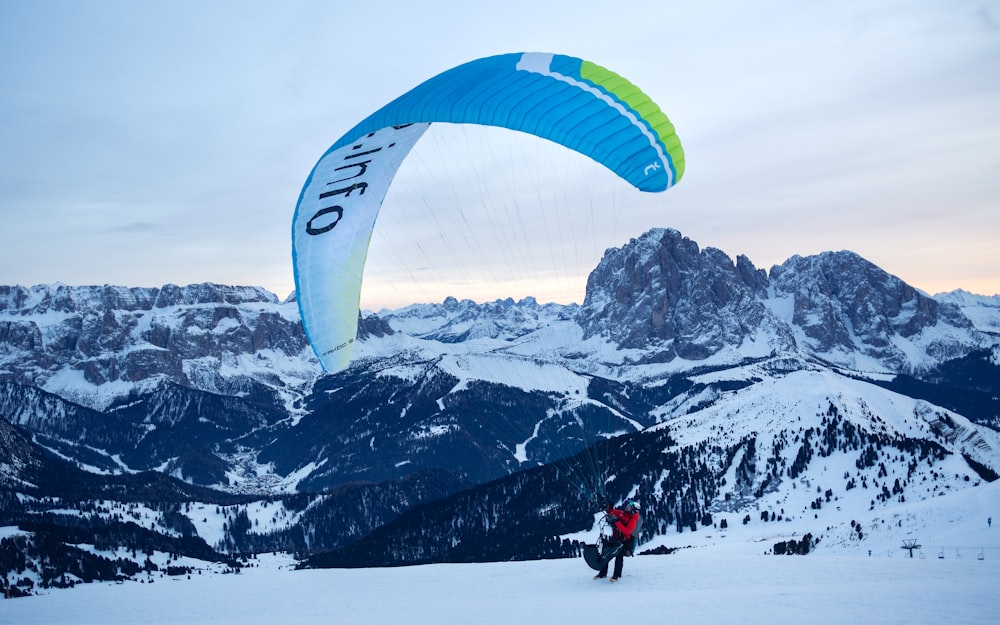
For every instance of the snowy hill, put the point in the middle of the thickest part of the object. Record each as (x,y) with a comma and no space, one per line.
(774,451)
(724,583)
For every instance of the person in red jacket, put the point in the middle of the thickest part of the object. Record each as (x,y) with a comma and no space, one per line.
(625,521)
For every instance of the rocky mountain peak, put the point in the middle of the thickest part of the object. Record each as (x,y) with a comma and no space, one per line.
(663,294)
(60,298)
(844,303)
(662,290)
(75,340)
(209,293)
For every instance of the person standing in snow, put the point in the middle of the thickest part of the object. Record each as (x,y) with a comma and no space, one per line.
(625,521)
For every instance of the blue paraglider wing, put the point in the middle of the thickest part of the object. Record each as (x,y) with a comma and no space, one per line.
(572,102)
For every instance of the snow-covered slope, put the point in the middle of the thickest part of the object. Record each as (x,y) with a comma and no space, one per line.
(731,582)
(982,310)
(830,449)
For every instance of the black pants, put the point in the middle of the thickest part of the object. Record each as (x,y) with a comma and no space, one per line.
(617,543)
(619,562)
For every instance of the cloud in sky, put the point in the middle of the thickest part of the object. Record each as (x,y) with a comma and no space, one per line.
(147,143)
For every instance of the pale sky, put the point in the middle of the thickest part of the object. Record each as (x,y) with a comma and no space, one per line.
(146,143)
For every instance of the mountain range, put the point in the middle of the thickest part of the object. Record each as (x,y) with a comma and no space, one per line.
(196,420)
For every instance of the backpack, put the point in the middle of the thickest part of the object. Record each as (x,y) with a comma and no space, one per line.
(633,542)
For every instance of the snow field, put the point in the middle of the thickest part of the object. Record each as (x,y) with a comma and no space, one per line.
(710,585)
(715,576)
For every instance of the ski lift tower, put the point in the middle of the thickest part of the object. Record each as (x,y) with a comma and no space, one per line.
(910,544)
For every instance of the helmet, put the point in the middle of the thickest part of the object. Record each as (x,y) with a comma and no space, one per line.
(632,505)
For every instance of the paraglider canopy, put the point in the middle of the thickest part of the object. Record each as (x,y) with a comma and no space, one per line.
(572,102)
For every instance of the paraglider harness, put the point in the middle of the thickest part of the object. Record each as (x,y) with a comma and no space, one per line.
(609,544)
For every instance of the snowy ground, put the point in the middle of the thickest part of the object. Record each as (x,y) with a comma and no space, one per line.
(707,585)
(714,577)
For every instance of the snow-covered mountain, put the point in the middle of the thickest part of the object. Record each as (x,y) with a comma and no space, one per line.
(982,310)
(822,390)
(664,295)
(93,344)
(657,299)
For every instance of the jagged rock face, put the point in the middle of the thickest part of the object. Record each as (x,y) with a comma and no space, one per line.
(69,299)
(843,303)
(662,290)
(662,294)
(454,321)
(22,340)
(200,335)
(373,325)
